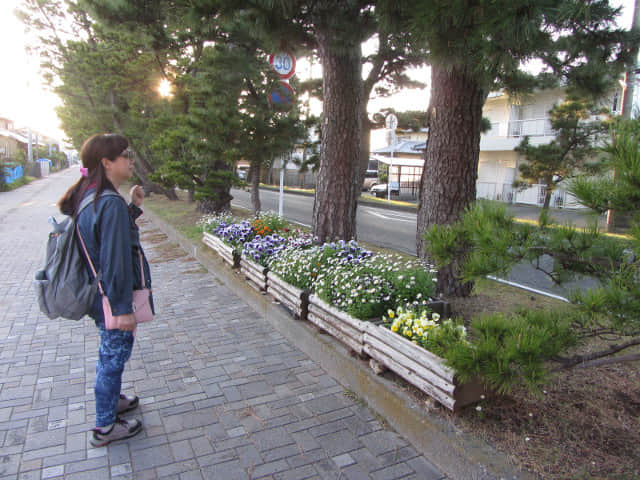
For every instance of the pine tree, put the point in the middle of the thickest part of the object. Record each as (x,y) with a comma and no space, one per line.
(574,149)
(102,77)
(475,47)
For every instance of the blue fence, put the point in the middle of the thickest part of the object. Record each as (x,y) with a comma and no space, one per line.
(12,174)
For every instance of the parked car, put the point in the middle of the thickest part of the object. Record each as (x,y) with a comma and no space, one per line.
(380,190)
(370,179)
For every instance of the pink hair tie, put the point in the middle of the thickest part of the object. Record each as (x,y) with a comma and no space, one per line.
(84,172)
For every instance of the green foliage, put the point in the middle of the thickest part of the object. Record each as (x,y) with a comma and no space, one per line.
(3,183)
(508,350)
(572,151)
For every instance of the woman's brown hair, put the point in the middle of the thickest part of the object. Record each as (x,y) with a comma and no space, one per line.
(94,149)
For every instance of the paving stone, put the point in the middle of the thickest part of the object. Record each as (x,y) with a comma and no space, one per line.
(393,472)
(338,442)
(231,469)
(271,438)
(151,457)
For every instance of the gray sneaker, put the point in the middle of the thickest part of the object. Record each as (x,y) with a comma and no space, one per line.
(120,430)
(126,404)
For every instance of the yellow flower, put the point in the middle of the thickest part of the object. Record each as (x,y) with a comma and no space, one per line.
(394,328)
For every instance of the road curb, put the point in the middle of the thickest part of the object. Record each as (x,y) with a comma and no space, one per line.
(455,453)
(361,201)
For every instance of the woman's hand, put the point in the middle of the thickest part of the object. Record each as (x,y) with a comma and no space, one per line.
(137,195)
(126,322)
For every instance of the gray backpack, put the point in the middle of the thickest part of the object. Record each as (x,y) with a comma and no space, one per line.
(64,287)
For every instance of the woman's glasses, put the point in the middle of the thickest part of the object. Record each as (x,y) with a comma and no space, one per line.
(128,153)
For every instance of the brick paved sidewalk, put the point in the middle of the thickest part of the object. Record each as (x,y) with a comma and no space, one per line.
(224,395)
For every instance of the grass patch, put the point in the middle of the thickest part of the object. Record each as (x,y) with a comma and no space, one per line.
(18,182)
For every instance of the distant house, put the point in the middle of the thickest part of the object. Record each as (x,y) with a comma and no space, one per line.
(511,120)
(405,160)
(10,140)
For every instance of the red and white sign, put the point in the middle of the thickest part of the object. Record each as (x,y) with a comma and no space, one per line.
(283,63)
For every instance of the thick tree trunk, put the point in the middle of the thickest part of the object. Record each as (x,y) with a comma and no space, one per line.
(448,183)
(547,198)
(254,174)
(220,203)
(337,188)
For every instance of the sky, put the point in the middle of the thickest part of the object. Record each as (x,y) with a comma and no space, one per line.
(25,100)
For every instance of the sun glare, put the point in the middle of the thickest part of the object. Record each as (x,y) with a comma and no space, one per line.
(164,89)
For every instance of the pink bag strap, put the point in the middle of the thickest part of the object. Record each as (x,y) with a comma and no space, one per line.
(93,270)
(86,253)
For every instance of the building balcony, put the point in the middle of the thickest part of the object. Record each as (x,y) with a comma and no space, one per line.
(508,135)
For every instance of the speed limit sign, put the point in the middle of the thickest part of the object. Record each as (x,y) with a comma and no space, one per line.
(283,63)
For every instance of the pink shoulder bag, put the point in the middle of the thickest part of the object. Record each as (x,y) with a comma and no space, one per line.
(141,305)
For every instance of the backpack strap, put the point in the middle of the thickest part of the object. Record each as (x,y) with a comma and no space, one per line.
(89,200)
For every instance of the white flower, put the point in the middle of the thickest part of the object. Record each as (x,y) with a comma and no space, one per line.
(526,439)
(479,408)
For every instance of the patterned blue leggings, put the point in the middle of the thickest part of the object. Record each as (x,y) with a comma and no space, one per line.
(115,350)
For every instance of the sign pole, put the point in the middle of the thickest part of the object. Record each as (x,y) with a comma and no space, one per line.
(281,199)
(391,122)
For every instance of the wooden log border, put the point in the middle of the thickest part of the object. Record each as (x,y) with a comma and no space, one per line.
(225,251)
(294,298)
(341,325)
(419,367)
(254,273)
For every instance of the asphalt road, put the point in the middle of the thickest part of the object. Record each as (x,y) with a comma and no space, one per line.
(396,230)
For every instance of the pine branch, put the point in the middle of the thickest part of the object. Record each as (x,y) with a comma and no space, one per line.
(592,359)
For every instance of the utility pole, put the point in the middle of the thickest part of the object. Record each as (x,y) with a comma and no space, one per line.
(628,94)
(30,147)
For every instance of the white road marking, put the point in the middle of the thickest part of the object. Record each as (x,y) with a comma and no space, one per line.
(392,215)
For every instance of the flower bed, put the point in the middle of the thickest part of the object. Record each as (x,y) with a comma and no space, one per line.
(351,287)
(419,367)
(296,299)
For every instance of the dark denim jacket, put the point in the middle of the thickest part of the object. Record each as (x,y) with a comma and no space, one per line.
(113,242)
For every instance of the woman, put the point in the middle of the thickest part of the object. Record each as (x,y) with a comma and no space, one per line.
(107,227)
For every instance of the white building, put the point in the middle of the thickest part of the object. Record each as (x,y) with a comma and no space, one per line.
(511,121)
